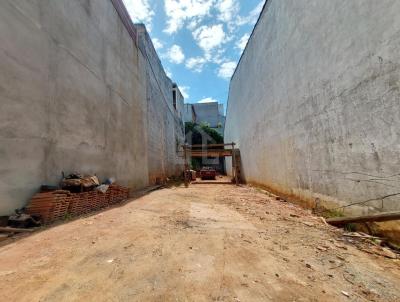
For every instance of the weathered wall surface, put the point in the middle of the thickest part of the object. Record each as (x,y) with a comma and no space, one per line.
(207,113)
(72,97)
(165,132)
(315,102)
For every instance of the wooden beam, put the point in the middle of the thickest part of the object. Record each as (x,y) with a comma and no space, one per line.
(210,154)
(14,230)
(210,150)
(211,145)
(367,218)
(185,174)
(234,164)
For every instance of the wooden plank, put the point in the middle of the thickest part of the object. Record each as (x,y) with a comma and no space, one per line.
(210,150)
(210,154)
(14,230)
(210,145)
(186,172)
(388,216)
(234,164)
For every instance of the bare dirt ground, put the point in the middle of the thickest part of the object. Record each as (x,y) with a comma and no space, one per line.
(204,243)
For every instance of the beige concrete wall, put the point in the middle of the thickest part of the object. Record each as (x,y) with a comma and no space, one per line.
(314,104)
(72,97)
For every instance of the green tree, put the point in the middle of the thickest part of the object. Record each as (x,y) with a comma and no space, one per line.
(201,134)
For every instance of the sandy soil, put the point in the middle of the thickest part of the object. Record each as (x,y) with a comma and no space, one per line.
(204,243)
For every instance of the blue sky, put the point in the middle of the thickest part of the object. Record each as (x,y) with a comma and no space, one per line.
(199,42)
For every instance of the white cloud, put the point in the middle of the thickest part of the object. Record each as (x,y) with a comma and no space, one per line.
(226,70)
(184,90)
(207,100)
(227,9)
(180,11)
(193,24)
(157,44)
(209,37)
(241,44)
(168,73)
(253,16)
(196,64)
(140,12)
(175,54)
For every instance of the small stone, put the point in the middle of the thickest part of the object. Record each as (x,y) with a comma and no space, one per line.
(277,275)
(388,254)
(341,258)
(312,278)
(345,293)
(308,265)
(341,246)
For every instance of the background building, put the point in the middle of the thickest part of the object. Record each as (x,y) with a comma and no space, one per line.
(209,113)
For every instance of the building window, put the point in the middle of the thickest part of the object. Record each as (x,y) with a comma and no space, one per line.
(174,98)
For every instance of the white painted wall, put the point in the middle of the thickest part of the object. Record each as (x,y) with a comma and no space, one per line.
(315,102)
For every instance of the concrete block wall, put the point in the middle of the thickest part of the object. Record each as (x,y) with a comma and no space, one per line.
(314,104)
(165,131)
(72,97)
(207,113)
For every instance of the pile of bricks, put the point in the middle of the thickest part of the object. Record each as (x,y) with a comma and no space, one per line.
(79,204)
(51,206)
(58,204)
(116,194)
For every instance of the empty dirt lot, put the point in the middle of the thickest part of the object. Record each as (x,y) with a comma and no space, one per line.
(204,243)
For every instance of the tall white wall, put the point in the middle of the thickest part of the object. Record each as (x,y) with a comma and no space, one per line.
(72,97)
(314,104)
(165,131)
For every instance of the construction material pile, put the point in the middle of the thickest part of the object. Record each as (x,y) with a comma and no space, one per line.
(50,206)
(59,204)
